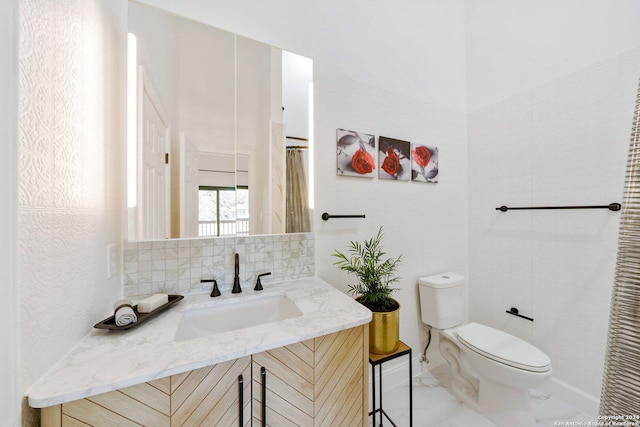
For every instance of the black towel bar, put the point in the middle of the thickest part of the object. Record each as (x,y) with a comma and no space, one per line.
(611,207)
(326,216)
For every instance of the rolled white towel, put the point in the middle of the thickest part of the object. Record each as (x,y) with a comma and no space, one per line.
(124,314)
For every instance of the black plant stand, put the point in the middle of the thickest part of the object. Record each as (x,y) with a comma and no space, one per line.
(378,360)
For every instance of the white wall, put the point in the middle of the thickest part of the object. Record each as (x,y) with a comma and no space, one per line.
(71,124)
(386,70)
(551,90)
(9,308)
(375,43)
(514,46)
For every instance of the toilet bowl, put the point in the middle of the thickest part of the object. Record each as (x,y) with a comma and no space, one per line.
(491,370)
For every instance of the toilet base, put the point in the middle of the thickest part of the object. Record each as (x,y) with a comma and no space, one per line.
(501,404)
(505,406)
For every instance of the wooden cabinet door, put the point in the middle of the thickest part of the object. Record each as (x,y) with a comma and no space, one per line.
(211,396)
(283,386)
(320,382)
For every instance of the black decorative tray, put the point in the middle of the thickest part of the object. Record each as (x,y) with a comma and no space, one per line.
(110,322)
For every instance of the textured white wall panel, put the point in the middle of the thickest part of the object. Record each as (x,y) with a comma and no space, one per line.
(70,108)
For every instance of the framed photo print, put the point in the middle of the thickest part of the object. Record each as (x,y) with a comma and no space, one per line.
(356,151)
(394,159)
(424,163)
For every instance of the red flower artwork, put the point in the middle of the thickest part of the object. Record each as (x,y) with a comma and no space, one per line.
(362,162)
(391,163)
(424,164)
(421,155)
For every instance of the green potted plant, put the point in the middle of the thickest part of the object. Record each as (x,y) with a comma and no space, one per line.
(375,275)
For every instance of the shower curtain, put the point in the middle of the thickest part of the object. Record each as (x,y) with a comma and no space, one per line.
(621,384)
(298,220)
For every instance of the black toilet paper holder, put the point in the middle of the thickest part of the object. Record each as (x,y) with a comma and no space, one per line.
(514,311)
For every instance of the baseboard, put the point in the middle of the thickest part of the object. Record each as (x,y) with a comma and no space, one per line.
(573,396)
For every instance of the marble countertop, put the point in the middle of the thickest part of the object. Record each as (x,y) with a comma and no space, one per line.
(108,360)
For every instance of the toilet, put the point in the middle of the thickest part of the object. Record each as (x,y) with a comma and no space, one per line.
(491,370)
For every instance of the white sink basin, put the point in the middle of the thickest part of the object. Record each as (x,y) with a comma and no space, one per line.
(214,318)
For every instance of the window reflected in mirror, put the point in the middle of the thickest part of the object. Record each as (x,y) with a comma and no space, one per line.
(223,211)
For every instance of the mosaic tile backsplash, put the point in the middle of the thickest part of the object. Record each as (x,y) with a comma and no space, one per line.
(177,266)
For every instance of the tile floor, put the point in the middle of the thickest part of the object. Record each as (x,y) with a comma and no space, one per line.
(433,406)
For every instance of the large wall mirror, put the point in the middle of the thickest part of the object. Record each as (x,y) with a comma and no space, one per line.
(219,131)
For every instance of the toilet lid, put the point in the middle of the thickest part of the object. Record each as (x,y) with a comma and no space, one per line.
(503,347)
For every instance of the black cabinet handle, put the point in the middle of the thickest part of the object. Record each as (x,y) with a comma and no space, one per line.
(263,374)
(240,401)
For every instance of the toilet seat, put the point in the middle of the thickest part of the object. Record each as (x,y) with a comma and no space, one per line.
(503,347)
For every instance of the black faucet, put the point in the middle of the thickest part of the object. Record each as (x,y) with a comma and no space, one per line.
(236,279)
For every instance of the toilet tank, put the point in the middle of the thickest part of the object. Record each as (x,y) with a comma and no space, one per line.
(443,300)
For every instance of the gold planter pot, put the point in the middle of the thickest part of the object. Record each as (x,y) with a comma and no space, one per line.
(384,331)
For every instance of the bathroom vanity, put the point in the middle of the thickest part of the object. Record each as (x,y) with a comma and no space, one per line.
(309,369)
